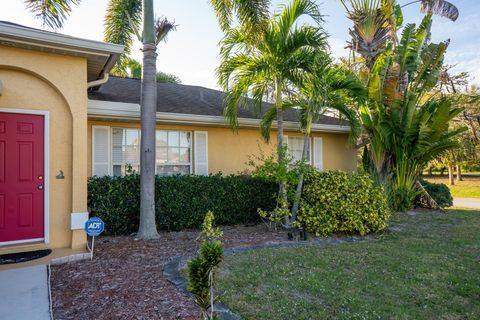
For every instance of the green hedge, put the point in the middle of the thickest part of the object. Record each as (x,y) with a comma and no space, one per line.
(334,201)
(181,201)
(439,192)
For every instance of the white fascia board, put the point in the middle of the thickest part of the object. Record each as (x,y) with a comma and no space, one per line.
(131,111)
(11,32)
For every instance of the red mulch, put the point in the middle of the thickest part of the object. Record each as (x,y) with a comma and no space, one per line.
(125,279)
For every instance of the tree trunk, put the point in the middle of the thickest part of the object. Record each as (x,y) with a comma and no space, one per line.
(451,180)
(282,192)
(459,173)
(148,228)
(298,193)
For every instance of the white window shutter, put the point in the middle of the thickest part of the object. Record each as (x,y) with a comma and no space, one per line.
(100,150)
(318,153)
(201,153)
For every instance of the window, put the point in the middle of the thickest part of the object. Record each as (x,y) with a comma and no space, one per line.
(174,152)
(125,150)
(295,148)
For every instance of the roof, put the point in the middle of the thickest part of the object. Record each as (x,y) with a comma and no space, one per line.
(183,99)
(101,56)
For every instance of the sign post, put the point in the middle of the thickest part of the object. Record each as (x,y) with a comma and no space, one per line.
(94,227)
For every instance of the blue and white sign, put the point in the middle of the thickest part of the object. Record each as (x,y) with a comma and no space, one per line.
(94,227)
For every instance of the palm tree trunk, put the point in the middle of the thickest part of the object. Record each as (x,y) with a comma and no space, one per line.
(282,192)
(459,173)
(298,193)
(148,229)
(451,180)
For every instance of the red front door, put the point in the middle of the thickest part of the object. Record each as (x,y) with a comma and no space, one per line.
(21,177)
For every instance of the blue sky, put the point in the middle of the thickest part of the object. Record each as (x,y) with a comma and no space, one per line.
(192,53)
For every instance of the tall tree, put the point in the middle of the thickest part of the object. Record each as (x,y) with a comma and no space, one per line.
(281,60)
(122,21)
(148,103)
(407,127)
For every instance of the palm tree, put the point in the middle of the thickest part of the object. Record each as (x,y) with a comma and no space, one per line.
(407,127)
(281,60)
(122,22)
(375,23)
(332,88)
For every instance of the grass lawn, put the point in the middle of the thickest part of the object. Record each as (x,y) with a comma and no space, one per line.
(429,269)
(468,188)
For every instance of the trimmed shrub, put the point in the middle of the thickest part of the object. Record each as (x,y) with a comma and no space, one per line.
(439,192)
(334,201)
(181,201)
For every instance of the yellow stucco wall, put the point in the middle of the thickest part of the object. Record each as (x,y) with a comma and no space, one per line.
(57,84)
(228,152)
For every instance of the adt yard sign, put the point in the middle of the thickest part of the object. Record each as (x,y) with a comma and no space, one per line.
(94,227)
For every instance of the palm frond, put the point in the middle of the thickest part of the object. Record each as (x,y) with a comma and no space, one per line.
(52,12)
(162,28)
(250,13)
(440,7)
(122,19)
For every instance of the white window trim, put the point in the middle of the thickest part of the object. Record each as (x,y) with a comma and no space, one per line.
(46,173)
(320,139)
(206,150)
(110,158)
(109,154)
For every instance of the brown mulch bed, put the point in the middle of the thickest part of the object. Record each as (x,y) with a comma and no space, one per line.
(125,279)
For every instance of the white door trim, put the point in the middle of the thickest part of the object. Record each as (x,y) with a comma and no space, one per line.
(46,169)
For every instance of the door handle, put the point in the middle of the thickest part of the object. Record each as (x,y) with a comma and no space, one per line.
(40,187)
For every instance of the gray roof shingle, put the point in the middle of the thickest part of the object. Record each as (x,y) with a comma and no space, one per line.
(180,98)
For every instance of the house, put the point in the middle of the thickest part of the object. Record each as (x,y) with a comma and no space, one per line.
(62,119)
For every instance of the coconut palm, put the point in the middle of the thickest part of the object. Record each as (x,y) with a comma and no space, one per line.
(332,88)
(281,60)
(122,21)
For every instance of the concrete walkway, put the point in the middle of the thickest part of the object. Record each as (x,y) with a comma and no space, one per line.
(24,294)
(471,203)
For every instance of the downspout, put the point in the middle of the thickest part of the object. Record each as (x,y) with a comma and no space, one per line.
(98,82)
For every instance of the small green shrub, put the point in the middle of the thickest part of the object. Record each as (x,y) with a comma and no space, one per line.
(334,201)
(201,269)
(180,200)
(439,192)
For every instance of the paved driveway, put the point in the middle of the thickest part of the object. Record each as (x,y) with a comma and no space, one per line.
(472,203)
(24,294)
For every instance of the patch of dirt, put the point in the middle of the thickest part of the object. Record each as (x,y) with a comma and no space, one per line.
(125,279)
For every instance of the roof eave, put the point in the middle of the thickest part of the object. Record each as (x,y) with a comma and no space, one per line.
(108,110)
(19,36)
